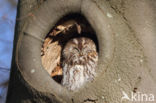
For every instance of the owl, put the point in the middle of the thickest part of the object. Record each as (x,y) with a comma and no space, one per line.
(79,62)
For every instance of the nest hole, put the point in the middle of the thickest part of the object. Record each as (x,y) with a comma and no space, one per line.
(70,26)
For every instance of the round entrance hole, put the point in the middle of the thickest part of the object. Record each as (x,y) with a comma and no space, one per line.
(70,26)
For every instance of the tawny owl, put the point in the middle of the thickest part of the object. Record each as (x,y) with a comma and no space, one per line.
(79,63)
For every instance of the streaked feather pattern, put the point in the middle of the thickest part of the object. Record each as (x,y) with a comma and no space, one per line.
(79,64)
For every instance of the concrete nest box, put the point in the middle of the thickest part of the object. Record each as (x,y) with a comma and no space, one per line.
(120,53)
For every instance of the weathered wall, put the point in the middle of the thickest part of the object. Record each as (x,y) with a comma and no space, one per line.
(131,53)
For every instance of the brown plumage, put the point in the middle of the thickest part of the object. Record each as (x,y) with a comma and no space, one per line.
(79,62)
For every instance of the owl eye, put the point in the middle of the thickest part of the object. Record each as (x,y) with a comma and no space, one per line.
(76,49)
(89,51)
(85,49)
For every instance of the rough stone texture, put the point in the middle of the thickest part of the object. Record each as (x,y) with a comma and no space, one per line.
(132,63)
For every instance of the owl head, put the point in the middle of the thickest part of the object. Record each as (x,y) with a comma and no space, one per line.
(78,50)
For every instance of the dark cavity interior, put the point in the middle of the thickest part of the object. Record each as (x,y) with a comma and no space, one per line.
(70,26)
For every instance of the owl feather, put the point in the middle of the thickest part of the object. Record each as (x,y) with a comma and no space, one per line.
(79,62)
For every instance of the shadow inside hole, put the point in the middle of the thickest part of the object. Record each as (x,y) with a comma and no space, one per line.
(70,26)
(58,78)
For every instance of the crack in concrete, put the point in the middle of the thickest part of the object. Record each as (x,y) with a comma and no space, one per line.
(90,100)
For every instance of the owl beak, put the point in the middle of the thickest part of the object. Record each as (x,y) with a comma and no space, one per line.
(81,54)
